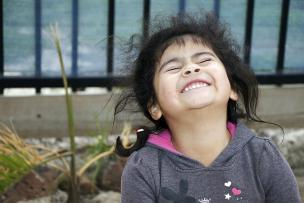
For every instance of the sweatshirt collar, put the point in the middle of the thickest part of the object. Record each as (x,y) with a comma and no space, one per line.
(241,135)
(163,139)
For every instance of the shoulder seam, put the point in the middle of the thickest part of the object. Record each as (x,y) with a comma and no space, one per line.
(151,173)
(266,141)
(146,165)
(262,138)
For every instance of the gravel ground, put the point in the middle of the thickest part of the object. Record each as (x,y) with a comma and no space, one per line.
(290,144)
(61,197)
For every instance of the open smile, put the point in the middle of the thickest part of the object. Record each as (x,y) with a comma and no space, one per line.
(194,85)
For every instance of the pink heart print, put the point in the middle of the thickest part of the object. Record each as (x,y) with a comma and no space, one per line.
(236,191)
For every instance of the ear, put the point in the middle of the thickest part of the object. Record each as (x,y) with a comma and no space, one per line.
(155,111)
(233,95)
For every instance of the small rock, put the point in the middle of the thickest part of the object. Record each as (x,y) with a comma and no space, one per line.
(109,177)
(107,197)
(291,144)
(86,186)
(37,183)
(58,197)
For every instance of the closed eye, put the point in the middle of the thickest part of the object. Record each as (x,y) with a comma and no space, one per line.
(173,69)
(204,61)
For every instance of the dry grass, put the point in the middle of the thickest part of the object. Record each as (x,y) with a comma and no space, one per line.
(16,157)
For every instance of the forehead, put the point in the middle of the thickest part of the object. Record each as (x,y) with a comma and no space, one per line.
(183,42)
(183,39)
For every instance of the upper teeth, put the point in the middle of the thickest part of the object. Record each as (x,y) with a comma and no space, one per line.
(195,85)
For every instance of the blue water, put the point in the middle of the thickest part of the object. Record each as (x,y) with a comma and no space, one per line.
(19,43)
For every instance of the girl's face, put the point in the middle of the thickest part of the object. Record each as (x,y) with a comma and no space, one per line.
(189,76)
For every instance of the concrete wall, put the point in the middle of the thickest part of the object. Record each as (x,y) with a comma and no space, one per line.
(283,105)
(46,115)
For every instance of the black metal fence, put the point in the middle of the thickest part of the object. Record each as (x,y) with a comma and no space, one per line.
(76,81)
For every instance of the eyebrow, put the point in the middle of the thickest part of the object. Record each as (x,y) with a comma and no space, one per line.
(193,56)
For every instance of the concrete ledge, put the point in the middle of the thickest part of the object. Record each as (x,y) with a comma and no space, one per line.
(282,105)
(46,115)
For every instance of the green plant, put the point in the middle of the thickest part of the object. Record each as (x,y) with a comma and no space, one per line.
(73,190)
(101,136)
(18,158)
(105,150)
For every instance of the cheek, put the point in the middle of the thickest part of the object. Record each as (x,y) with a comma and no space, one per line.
(222,76)
(222,81)
(165,91)
(226,87)
(226,81)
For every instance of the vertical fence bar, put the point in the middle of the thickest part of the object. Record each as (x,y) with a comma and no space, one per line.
(248,31)
(75,13)
(282,37)
(110,41)
(181,7)
(75,37)
(38,41)
(216,8)
(1,44)
(146,19)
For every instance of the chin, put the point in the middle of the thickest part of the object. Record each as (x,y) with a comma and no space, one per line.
(199,102)
(200,105)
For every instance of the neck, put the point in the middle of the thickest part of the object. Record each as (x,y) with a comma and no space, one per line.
(200,136)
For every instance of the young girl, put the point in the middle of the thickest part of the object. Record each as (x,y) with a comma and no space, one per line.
(190,82)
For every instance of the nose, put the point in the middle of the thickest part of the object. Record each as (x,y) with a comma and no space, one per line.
(191,69)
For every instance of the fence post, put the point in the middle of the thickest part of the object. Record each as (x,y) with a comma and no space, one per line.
(146,19)
(216,8)
(75,13)
(181,7)
(248,31)
(74,37)
(282,36)
(1,45)
(110,39)
(38,42)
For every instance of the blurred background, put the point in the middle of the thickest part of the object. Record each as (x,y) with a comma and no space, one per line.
(93,35)
(272,30)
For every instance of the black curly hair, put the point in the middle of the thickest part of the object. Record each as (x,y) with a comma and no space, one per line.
(216,35)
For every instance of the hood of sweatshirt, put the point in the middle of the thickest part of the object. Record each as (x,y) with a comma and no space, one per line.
(240,136)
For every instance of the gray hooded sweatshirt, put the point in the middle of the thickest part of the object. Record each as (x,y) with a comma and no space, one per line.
(249,169)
